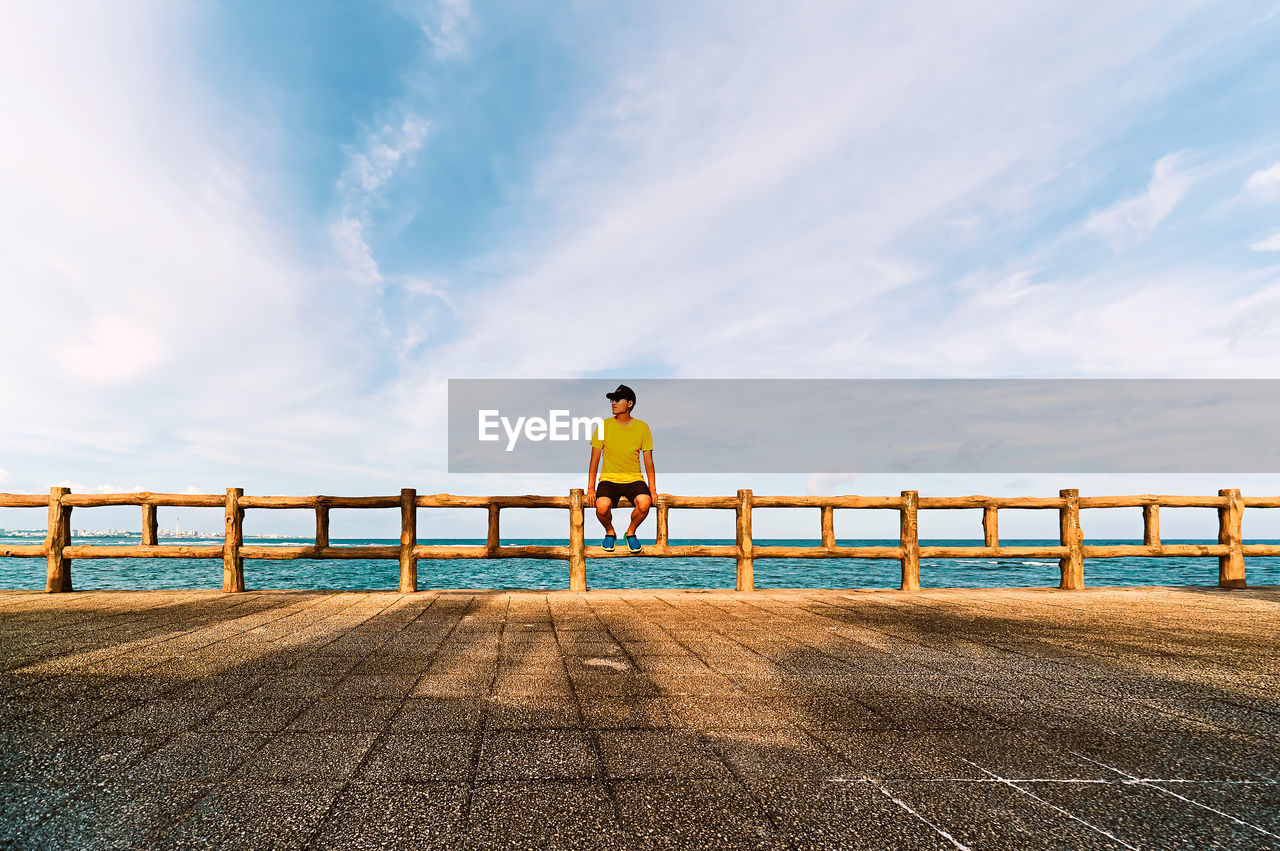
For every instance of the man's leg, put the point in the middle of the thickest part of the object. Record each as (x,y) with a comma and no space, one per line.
(641,501)
(604,513)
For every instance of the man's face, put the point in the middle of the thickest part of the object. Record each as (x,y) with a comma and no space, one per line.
(620,406)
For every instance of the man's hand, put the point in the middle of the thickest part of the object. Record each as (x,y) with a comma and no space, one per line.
(590,496)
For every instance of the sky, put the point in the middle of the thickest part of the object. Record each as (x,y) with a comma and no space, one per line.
(247,244)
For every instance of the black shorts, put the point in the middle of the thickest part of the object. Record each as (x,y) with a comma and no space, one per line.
(615,491)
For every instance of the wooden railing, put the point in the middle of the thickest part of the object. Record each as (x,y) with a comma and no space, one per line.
(1071,550)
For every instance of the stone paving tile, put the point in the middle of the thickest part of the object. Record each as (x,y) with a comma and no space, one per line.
(293,688)
(1255,803)
(1167,756)
(537,815)
(526,684)
(1020,756)
(1147,817)
(252,816)
(197,757)
(416,757)
(899,754)
(374,687)
(633,754)
(538,755)
(821,814)
(395,815)
(706,713)
(346,715)
(628,713)
(123,814)
(36,758)
(267,715)
(23,806)
(443,713)
(531,713)
(693,814)
(1225,716)
(76,716)
(828,712)
(781,753)
(452,685)
(995,815)
(921,712)
(295,756)
(161,716)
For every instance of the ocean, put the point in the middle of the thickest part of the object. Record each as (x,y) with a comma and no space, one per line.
(630,572)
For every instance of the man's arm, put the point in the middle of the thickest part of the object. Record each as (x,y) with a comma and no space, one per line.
(653,476)
(591,473)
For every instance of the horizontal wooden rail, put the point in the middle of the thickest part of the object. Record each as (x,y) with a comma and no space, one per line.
(993,552)
(991,501)
(318,502)
(166,551)
(279,553)
(1154,551)
(1152,499)
(22,551)
(894,502)
(176,500)
(1071,551)
(23,500)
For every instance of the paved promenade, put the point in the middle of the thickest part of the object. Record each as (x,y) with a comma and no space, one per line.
(655,719)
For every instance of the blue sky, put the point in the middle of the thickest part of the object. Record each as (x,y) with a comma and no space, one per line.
(247,244)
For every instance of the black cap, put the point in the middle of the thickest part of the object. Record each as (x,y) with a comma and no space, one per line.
(623,392)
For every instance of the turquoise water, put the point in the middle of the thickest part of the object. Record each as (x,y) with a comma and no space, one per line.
(631,572)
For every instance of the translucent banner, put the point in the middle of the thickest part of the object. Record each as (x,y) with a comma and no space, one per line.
(877,425)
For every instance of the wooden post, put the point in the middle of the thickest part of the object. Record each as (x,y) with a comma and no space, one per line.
(150,526)
(990,526)
(492,539)
(662,539)
(746,549)
(828,526)
(322,526)
(1070,536)
(1151,525)
(1230,532)
(58,572)
(577,543)
(232,541)
(408,540)
(909,540)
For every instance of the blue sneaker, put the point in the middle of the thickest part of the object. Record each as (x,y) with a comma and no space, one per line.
(633,543)
(607,543)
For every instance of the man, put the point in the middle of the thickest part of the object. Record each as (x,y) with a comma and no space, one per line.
(624,440)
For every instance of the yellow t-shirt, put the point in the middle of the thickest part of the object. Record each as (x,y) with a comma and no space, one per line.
(622,447)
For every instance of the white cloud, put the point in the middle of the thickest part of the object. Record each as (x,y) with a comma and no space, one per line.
(1265,183)
(348,239)
(1271,243)
(384,153)
(447,29)
(4,474)
(1133,219)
